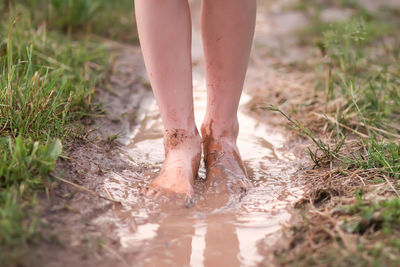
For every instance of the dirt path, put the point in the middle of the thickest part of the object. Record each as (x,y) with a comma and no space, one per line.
(235,231)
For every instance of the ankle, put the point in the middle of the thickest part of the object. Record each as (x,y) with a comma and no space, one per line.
(220,129)
(174,138)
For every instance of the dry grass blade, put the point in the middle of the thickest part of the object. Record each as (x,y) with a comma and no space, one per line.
(381,131)
(109,194)
(85,189)
(334,121)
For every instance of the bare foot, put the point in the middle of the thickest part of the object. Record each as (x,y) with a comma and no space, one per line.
(224,167)
(182,159)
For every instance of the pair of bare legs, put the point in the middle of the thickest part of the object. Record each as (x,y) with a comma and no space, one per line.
(164,28)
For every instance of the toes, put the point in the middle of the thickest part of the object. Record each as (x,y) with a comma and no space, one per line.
(240,186)
(160,195)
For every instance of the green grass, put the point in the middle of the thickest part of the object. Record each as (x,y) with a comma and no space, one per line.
(362,59)
(50,65)
(359,75)
(364,73)
(24,168)
(379,155)
(46,81)
(383,216)
(358,79)
(374,228)
(110,19)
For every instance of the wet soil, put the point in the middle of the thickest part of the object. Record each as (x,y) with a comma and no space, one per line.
(126,152)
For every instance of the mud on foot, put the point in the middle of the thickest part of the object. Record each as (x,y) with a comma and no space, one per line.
(225,172)
(182,160)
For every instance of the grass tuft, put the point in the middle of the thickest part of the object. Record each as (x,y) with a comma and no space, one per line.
(351,209)
(50,65)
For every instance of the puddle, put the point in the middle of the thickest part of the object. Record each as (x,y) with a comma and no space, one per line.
(164,235)
(206,234)
(200,236)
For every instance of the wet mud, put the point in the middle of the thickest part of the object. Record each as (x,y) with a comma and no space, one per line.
(127,152)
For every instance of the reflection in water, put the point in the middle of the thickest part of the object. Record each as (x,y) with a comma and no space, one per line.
(198,244)
(176,243)
(222,244)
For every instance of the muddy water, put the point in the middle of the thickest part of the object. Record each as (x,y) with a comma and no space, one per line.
(226,229)
(232,230)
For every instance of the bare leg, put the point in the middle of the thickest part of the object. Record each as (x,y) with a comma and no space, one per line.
(227,29)
(165,36)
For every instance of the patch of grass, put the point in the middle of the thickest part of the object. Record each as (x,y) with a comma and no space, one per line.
(24,168)
(27,159)
(383,156)
(109,19)
(350,211)
(365,233)
(47,80)
(376,217)
(357,91)
(367,83)
(329,154)
(366,216)
(49,69)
